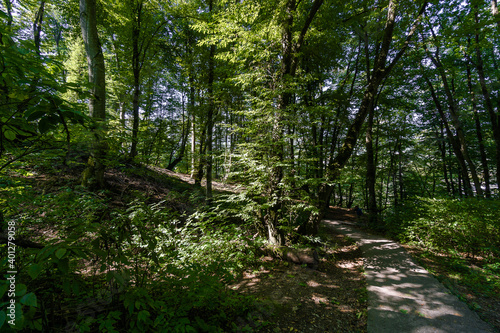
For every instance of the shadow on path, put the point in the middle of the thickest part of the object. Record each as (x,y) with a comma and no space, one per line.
(404,297)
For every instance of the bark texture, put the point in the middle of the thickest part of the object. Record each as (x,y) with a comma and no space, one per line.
(94,174)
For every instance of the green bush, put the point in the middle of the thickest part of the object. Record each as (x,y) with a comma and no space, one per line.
(470,226)
(147,269)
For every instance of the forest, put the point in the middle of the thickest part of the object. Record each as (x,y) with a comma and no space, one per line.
(151,151)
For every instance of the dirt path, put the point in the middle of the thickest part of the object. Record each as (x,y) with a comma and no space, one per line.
(216,185)
(298,299)
(404,297)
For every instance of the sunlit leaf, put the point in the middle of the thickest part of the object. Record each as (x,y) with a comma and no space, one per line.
(9,135)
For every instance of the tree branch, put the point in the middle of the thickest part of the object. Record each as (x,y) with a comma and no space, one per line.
(408,38)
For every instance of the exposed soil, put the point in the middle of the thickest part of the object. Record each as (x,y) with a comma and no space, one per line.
(298,299)
(331,298)
(294,298)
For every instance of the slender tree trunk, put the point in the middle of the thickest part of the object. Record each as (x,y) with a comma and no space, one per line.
(495,13)
(379,72)
(136,69)
(289,63)
(371,169)
(275,192)
(94,174)
(450,170)
(200,170)
(37,26)
(400,172)
(193,129)
(184,138)
(442,149)
(37,30)
(460,137)
(210,115)
(479,134)
(494,115)
(451,138)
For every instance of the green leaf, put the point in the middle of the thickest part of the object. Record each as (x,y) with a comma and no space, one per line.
(46,124)
(79,253)
(9,135)
(66,286)
(60,253)
(29,299)
(119,278)
(38,324)
(21,290)
(63,265)
(5,17)
(34,115)
(143,315)
(34,270)
(3,316)
(45,252)
(3,288)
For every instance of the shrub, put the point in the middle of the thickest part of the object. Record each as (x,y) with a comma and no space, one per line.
(470,226)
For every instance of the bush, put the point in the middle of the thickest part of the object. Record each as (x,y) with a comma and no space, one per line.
(470,226)
(139,269)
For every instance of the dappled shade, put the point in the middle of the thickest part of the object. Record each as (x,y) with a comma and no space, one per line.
(404,297)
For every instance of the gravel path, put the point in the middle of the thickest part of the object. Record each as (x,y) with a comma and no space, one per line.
(403,296)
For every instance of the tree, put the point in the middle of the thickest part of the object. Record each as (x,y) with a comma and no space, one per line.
(380,70)
(290,51)
(94,174)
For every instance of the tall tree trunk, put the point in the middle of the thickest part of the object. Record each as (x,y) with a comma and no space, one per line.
(479,134)
(495,13)
(442,149)
(289,63)
(379,72)
(94,174)
(275,191)
(193,127)
(37,26)
(494,115)
(184,138)
(136,69)
(210,115)
(451,138)
(371,169)
(460,137)
(371,175)
(193,146)
(200,170)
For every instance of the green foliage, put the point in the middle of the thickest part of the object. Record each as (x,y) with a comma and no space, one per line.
(143,268)
(460,237)
(470,226)
(31,105)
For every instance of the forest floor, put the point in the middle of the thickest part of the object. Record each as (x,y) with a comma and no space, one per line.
(294,298)
(331,298)
(487,307)
(290,297)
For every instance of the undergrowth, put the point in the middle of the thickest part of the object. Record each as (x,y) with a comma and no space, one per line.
(135,267)
(461,236)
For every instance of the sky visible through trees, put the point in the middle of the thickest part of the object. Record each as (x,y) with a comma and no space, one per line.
(365,103)
(388,105)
